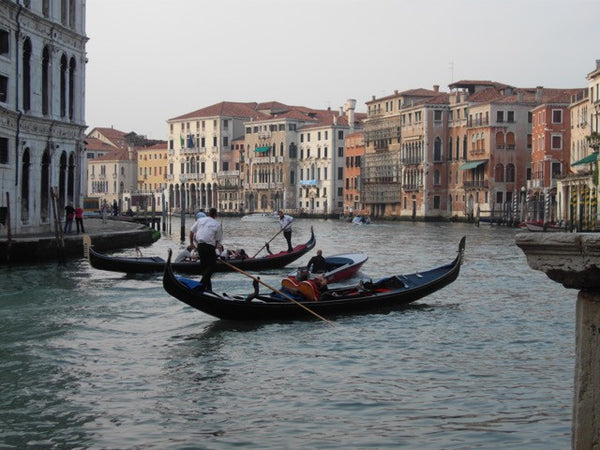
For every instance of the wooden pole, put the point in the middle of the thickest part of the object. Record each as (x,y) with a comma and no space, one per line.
(267,243)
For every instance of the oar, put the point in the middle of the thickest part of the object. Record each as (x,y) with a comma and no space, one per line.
(279,292)
(267,243)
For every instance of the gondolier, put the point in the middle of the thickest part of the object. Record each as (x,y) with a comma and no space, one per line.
(285,222)
(205,234)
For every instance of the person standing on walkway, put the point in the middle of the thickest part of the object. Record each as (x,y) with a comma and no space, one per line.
(205,234)
(70,213)
(285,222)
(79,219)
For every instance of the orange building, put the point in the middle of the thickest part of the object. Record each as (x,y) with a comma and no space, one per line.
(355,151)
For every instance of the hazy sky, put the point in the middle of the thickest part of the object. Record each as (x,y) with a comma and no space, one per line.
(152,60)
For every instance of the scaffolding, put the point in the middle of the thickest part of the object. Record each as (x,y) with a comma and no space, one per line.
(381,178)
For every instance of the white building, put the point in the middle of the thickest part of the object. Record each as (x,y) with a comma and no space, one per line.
(42,85)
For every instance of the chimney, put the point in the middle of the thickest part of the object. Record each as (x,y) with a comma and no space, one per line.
(436,88)
(538,93)
(350,106)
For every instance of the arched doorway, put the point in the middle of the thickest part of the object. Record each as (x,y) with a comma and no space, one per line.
(25,186)
(45,187)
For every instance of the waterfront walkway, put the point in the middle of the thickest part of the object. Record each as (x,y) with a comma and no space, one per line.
(105,235)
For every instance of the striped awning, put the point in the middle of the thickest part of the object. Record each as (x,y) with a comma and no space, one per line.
(472,164)
(587,160)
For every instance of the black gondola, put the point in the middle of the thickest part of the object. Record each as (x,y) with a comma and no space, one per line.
(380,296)
(150,264)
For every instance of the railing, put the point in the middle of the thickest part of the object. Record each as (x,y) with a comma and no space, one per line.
(477,184)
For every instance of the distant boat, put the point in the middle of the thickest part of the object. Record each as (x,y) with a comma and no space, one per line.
(260,217)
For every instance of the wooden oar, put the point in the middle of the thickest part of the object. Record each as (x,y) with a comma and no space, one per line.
(267,243)
(279,292)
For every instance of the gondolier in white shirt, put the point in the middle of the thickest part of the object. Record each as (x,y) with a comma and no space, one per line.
(285,222)
(205,234)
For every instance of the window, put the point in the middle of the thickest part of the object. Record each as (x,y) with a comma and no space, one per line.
(437,150)
(340,173)
(499,116)
(510,173)
(225,141)
(4,42)
(3,89)
(557,116)
(341,134)
(510,116)
(341,152)
(437,116)
(436,202)
(3,150)
(556,142)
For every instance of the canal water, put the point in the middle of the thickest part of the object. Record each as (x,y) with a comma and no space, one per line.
(93,359)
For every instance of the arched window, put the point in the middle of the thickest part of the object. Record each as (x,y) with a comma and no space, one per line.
(27,75)
(465,147)
(474,142)
(293,151)
(63,86)
(510,173)
(72,67)
(499,173)
(500,140)
(449,149)
(436,178)
(46,81)
(510,141)
(437,149)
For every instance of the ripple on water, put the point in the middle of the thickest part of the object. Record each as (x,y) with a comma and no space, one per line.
(98,359)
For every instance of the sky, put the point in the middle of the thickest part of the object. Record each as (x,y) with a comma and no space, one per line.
(152,60)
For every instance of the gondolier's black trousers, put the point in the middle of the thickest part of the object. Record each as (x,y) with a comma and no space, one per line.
(208,259)
(288,237)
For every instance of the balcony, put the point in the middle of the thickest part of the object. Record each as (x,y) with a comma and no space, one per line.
(474,185)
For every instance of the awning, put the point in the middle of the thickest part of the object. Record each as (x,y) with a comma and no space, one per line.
(262,149)
(587,160)
(472,164)
(308,182)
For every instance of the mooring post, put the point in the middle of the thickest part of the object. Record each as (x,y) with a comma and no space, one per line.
(573,259)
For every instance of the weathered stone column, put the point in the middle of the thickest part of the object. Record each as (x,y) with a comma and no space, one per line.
(573,259)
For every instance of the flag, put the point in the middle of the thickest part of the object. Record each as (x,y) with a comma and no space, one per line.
(181,142)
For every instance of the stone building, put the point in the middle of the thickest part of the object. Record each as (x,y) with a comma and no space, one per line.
(42,86)
(199,153)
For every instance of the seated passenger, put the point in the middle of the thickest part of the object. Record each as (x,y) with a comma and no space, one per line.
(317,263)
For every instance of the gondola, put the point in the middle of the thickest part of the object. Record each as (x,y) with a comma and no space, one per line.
(153,264)
(379,296)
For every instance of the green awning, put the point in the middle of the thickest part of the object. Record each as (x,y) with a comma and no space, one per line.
(472,164)
(587,160)
(262,149)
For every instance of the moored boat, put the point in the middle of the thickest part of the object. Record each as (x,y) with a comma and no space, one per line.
(379,296)
(260,217)
(150,264)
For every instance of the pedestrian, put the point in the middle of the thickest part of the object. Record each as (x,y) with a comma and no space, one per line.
(285,222)
(104,211)
(70,213)
(115,208)
(79,219)
(205,234)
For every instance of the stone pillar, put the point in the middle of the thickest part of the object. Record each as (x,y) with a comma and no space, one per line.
(573,259)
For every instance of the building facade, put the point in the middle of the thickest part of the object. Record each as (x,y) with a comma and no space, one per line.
(42,85)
